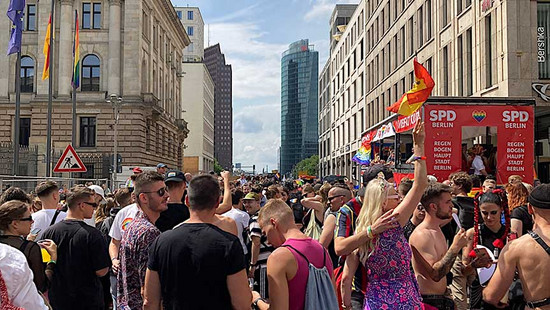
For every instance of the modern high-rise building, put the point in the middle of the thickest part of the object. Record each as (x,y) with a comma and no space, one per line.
(133,52)
(299,132)
(223,105)
(198,104)
(492,48)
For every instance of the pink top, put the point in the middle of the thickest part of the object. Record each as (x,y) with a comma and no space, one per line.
(314,251)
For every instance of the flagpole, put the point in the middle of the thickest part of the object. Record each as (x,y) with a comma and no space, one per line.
(17,113)
(73,139)
(50,97)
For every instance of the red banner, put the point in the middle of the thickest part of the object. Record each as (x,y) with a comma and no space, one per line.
(515,138)
(406,123)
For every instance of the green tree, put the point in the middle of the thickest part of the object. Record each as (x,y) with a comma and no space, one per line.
(217,167)
(310,165)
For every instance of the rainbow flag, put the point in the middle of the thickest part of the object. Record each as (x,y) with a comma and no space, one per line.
(412,100)
(46,51)
(75,82)
(362,157)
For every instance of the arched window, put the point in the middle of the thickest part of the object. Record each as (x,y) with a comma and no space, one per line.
(90,73)
(27,74)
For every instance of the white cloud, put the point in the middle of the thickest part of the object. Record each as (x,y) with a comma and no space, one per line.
(321,9)
(258,147)
(256,64)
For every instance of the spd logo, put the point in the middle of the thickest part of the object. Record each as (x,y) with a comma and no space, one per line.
(515,116)
(442,115)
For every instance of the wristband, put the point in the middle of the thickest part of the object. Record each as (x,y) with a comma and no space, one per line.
(52,262)
(415,158)
(369,232)
(255,303)
(112,259)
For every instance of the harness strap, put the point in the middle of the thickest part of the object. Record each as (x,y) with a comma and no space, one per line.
(545,301)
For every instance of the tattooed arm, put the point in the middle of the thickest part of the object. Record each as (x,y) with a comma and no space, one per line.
(425,255)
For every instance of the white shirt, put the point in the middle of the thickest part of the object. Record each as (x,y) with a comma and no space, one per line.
(43,218)
(241,218)
(478,165)
(18,278)
(121,221)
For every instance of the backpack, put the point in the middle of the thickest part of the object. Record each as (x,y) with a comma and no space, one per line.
(320,293)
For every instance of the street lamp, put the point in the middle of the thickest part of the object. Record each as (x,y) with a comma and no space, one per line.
(116,101)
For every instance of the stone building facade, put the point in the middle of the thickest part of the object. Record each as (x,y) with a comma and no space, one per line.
(132,49)
(471,48)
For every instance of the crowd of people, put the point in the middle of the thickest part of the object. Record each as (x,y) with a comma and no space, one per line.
(172,240)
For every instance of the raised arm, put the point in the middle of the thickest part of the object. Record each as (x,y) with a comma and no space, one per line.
(425,260)
(226,202)
(405,209)
(313,203)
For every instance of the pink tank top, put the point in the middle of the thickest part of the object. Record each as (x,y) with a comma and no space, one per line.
(314,252)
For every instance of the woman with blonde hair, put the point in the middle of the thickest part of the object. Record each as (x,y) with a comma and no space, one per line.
(387,255)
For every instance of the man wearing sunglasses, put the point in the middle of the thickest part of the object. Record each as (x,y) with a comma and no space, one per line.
(152,198)
(82,256)
(338,195)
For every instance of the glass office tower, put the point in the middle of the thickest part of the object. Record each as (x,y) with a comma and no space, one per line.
(299,98)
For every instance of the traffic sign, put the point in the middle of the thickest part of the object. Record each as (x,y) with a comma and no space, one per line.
(69,162)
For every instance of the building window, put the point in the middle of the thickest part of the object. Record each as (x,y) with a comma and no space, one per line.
(460,59)
(190,15)
(27,74)
(91,15)
(420,21)
(428,19)
(90,73)
(24,131)
(469,63)
(445,12)
(543,41)
(190,30)
(411,36)
(31,17)
(445,77)
(488,52)
(87,131)
(179,13)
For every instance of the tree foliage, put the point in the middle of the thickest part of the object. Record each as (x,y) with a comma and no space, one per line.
(217,167)
(310,165)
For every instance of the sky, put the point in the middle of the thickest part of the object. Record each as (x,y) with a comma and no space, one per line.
(253,35)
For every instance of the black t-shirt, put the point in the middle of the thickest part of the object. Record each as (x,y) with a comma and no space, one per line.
(193,262)
(465,206)
(81,251)
(175,214)
(522,214)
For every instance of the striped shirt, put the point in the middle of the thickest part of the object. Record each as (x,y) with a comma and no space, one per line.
(254,230)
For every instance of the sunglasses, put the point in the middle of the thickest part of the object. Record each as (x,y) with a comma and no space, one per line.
(487,213)
(420,207)
(26,219)
(91,204)
(394,197)
(334,197)
(161,192)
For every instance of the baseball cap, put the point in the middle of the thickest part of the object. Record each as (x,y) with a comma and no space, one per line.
(98,190)
(251,196)
(161,165)
(137,170)
(174,176)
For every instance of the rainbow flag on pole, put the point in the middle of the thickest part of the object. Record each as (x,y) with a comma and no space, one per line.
(75,82)
(46,51)
(412,100)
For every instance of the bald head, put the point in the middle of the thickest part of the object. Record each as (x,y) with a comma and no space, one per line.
(340,191)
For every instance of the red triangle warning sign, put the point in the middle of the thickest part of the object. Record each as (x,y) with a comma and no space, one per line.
(69,162)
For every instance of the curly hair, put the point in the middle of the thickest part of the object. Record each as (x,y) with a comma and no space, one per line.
(463,180)
(14,193)
(517,195)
